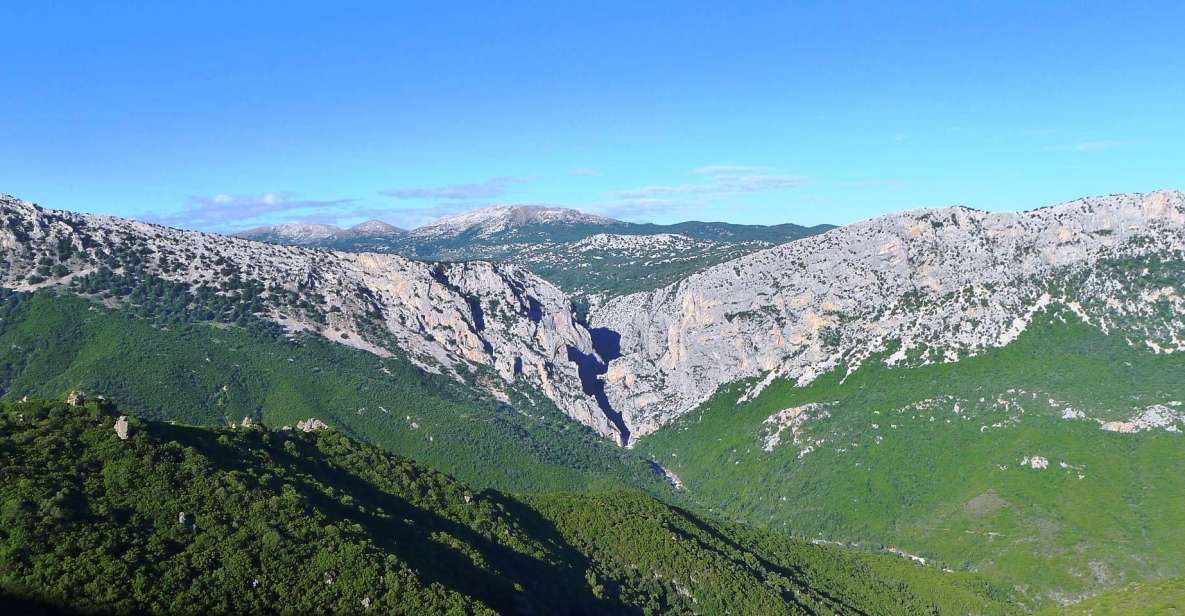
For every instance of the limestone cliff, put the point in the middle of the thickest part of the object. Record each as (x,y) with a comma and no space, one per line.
(926,285)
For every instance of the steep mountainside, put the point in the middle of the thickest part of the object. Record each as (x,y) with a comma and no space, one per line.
(1165,598)
(605,265)
(1051,464)
(933,285)
(166,354)
(495,325)
(102,512)
(1000,393)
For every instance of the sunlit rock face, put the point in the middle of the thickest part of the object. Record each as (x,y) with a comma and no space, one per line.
(496,326)
(915,287)
(919,286)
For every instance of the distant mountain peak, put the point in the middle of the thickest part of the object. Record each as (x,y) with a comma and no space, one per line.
(300,233)
(376,228)
(499,218)
(292,232)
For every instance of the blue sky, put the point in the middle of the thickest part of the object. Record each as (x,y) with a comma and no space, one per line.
(221,116)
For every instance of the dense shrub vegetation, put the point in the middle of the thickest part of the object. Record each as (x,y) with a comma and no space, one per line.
(192,520)
(1144,599)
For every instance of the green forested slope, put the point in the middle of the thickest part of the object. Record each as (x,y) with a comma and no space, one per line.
(939,460)
(318,522)
(1163,598)
(172,366)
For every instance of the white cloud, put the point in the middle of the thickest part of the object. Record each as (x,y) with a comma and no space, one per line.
(223,212)
(716,183)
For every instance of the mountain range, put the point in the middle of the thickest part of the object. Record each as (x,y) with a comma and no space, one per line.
(317,234)
(589,256)
(996,394)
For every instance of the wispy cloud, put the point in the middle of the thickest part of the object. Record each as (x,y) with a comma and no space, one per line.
(489,189)
(643,210)
(889,183)
(717,185)
(730,169)
(225,212)
(1088,146)
(584,171)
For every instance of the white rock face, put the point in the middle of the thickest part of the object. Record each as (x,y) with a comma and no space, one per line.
(942,284)
(495,219)
(497,325)
(1155,417)
(311,424)
(1036,463)
(793,419)
(122,428)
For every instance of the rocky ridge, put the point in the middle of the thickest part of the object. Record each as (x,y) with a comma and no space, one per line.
(914,287)
(494,325)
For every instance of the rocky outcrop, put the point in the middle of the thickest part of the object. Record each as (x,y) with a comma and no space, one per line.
(1155,417)
(926,285)
(122,428)
(311,424)
(496,326)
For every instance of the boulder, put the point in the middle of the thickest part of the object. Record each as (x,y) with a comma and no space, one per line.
(311,424)
(122,428)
